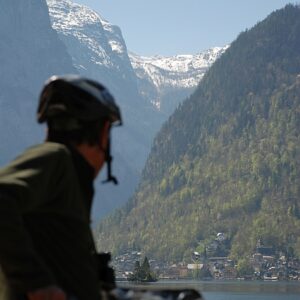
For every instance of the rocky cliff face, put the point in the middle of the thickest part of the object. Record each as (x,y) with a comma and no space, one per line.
(166,81)
(97,47)
(28,45)
(98,51)
(29,54)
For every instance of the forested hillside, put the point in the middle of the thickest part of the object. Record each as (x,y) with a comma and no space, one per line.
(228,159)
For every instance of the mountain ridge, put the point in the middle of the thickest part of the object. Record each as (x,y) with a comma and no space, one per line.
(227,160)
(99,51)
(165,76)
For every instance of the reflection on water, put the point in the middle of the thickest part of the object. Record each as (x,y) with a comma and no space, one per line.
(234,290)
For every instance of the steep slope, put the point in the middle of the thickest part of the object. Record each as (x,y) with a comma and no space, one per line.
(228,159)
(166,81)
(99,51)
(96,46)
(27,59)
(30,53)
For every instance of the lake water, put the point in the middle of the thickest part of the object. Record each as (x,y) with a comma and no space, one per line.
(239,290)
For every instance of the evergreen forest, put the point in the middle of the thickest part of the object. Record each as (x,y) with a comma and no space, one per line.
(227,160)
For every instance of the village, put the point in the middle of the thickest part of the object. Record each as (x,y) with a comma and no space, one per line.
(264,264)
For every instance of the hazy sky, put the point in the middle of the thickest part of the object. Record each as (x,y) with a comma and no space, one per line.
(169,27)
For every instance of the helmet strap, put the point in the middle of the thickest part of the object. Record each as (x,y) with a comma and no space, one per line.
(108,159)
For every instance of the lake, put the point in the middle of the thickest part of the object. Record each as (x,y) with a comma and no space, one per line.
(239,290)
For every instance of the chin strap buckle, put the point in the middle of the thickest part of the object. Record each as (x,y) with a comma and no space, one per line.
(108,159)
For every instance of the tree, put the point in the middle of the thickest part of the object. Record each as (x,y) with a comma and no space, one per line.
(142,273)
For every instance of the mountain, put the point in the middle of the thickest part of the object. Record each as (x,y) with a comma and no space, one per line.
(97,47)
(228,160)
(75,39)
(27,60)
(167,81)
(98,50)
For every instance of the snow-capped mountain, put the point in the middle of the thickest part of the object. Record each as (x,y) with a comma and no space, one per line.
(181,70)
(147,88)
(97,47)
(160,76)
(83,42)
(98,51)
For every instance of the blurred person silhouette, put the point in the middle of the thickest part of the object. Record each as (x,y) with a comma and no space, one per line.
(47,249)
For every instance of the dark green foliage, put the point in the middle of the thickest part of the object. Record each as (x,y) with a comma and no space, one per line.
(228,159)
(142,273)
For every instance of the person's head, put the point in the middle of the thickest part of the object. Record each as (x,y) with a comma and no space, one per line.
(79,112)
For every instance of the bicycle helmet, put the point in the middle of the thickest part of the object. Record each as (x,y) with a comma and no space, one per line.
(78,97)
(72,100)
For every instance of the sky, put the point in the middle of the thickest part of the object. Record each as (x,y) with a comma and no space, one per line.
(172,27)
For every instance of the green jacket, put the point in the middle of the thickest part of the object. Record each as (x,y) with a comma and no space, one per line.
(45,235)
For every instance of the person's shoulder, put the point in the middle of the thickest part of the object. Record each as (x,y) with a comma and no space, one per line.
(45,153)
(44,158)
(48,149)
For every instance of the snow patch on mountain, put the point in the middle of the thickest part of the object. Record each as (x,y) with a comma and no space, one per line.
(166,81)
(99,36)
(178,71)
(98,51)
